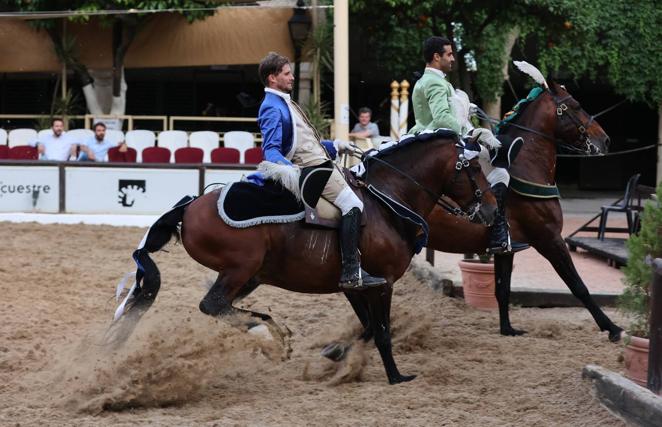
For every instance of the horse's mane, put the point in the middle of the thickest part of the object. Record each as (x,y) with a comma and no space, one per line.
(388,148)
(518,109)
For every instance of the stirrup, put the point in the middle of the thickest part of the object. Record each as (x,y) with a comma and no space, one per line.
(364,281)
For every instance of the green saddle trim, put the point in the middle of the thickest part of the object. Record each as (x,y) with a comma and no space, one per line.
(509,116)
(531,189)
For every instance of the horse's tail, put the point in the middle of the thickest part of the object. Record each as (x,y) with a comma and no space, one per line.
(158,235)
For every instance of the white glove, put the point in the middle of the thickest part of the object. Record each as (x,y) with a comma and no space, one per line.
(473,109)
(342,146)
(486,137)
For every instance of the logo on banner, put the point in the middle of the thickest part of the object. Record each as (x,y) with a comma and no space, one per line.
(130,190)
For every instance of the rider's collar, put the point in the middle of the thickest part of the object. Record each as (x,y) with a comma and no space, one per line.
(285,96)
(438,72)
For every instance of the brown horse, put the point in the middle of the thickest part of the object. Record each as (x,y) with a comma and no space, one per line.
(299,258)
(553,119)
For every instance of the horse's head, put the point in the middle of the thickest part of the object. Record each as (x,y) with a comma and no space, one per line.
(470,190)
(574,126)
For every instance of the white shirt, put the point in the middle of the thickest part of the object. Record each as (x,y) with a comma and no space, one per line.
(438,72)
(56,148)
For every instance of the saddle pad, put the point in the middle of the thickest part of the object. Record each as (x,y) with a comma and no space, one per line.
(244,204)
(505,156)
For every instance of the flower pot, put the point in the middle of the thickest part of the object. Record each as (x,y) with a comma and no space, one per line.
(636,360)
(478,284)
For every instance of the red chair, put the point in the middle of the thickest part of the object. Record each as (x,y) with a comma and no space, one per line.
(23,152)
(225,155)
(116,156)
(156,155)
(189,155)
(4,152)
(253,156)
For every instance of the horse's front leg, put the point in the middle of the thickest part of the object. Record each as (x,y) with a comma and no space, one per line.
(557,254)
(503,268)
(378,300)
(337,350)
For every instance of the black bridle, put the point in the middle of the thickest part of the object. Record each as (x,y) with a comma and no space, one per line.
(462,164)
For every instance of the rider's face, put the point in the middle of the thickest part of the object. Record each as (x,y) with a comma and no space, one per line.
(283,81)
(446,60)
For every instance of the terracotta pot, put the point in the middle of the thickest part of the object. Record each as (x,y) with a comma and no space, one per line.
(478,284)
(636,360)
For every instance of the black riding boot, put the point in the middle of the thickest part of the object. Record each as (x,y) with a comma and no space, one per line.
(499,236)
(353,276)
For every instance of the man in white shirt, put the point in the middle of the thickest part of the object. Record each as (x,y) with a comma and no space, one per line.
(96,148)
(57,146)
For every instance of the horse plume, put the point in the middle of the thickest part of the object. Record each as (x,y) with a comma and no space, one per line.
(532,71)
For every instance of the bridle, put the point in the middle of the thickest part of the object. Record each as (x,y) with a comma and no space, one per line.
(462,164)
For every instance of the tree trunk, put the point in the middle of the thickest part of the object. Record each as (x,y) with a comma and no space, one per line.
(493,108)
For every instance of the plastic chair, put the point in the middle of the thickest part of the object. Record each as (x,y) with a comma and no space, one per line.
(141,139)
(44,133)
(115,136)
(189,155)
(24,136)
(3,137)
(240,140)
(207,140)
(156,155)
(116,156)
(172,140)
(4,152)
(79,136)
(624,205)
(23,152)
(253,156)
(225,155)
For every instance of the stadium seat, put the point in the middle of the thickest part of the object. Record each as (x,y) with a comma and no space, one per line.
(172,140)
(22,137)
(44,133)
(141,139)
(79,136)
(225,155)
(189,155)
(253,156)
(156,155)
(240,140)
(4,152)
(114,136)
(3,137)
(207,140)
(116,156)
(23,152)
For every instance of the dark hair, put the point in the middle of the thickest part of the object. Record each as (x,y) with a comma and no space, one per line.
(273,63)
(56,119)
(97,124)
(365,110)
(434,45)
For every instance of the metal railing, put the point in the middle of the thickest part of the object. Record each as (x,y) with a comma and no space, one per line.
(89,119)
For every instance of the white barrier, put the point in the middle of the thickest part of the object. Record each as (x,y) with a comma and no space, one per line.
(127,190)
(29,189)
(221,176)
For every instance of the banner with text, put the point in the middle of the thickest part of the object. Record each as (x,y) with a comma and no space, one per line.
(29,189)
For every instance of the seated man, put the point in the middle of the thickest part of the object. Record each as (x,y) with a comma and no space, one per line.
(96,148)
(365,128)
(57,146)
(290,139)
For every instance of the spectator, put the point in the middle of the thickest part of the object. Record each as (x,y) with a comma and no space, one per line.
(365,128)
(96,148)
(57,146)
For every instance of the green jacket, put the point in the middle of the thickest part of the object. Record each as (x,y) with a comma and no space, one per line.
(431,100)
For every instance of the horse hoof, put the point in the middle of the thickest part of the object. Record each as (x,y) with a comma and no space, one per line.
(401,379)
(512,332)
(335,351)
(615,336)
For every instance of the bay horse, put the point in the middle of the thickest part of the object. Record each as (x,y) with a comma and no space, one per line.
(554,119)
(299,258)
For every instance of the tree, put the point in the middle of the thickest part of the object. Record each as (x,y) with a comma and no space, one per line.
(124,29)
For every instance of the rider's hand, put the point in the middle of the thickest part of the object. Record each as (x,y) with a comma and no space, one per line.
(342,146)
(473,109)
(486,138)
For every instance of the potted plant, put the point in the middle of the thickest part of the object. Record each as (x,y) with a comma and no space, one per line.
(635,300)
(478,281)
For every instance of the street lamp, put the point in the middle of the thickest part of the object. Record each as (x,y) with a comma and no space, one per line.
(299,26)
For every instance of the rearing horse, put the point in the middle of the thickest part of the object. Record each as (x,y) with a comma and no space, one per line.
(299,258)
(553,119)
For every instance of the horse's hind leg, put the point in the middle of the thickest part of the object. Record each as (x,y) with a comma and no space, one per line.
(379,301)
(227,287)
(557,254)
(503,268)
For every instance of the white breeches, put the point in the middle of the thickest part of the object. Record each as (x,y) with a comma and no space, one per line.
(493,174)
(338,192)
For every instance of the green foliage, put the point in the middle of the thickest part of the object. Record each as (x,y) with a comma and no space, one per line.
(635,300)
(317,113)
